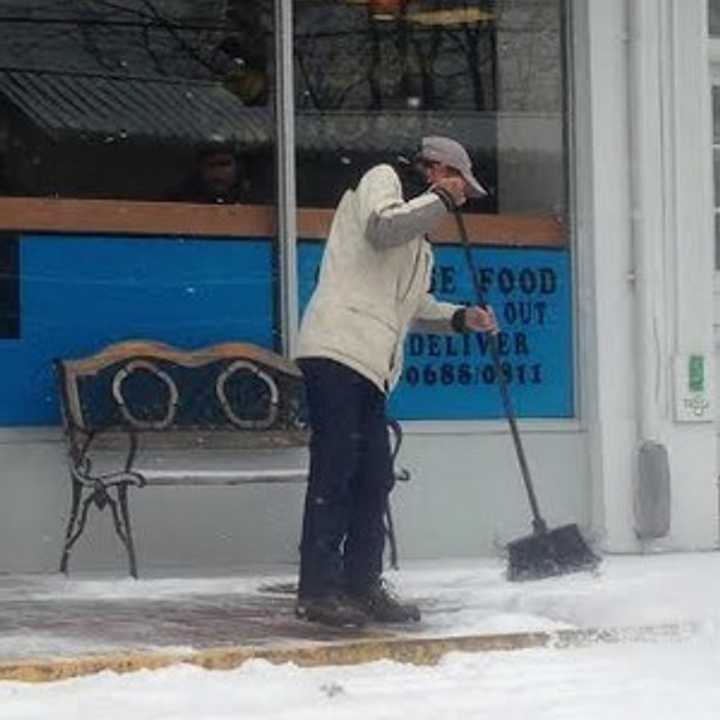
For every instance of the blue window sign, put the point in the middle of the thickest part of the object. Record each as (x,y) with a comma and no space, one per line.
(453,376)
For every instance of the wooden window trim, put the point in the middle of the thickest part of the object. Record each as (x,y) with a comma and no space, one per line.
(54,215)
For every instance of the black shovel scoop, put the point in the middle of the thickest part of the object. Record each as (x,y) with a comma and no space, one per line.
(543,553)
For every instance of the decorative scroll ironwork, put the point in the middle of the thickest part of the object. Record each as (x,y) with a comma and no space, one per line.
(138,423)
(268,384)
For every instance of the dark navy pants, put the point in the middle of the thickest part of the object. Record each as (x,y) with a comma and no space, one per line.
(343,534)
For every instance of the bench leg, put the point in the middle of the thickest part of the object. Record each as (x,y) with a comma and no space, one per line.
(76,525)
(126,536)
(79,529)
(70,529)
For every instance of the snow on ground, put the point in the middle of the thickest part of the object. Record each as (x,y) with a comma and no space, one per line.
(667,678)
(622,682)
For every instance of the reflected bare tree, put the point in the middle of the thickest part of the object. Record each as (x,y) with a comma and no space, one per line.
(348,57)
(191,39)
(430,55)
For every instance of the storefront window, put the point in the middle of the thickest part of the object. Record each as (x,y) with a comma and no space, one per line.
(140,99)
(714,18)
(105,105)
(372,78)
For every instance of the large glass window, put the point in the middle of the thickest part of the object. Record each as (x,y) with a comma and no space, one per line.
(105,104)
(173,100)
(372,78)
(714,18)
(137,99)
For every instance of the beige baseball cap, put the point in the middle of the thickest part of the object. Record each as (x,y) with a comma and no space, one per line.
(449,152)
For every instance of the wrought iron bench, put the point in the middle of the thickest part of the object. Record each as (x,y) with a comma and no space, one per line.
(142,413)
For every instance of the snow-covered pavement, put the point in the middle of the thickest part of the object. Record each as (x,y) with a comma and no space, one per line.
(667,678)
(634,682)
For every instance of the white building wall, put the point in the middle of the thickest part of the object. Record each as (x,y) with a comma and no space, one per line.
(646,274)
(465,499)
(604,315)
(691,265)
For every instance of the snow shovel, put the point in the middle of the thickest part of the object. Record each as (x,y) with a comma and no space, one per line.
(544,552)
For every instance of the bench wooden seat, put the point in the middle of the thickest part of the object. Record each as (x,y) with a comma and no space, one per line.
(141,413)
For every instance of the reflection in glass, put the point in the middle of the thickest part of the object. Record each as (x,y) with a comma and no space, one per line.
(9,287)
(714,17)
(130,99)
(374,76)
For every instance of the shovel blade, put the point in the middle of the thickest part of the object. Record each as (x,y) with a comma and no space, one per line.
(553,552)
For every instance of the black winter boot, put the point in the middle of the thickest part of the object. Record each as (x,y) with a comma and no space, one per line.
(383,606)
(335,609)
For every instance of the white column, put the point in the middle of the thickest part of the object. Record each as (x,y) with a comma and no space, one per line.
(605,293)
(285,154)
(645,259)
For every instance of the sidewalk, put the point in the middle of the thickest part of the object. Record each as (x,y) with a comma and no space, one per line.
(52,626)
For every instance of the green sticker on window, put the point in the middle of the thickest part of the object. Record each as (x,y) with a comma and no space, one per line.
(696,373)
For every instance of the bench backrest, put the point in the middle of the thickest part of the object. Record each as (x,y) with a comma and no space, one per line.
(149,388)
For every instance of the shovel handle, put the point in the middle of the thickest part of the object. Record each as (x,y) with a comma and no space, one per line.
(539,525)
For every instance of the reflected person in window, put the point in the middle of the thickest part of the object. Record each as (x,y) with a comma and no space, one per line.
(216,178)
(372,288)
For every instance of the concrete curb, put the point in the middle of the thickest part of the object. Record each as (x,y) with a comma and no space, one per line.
(417,651)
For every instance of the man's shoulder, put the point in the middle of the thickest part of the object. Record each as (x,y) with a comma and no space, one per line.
(381,170)
(380,174)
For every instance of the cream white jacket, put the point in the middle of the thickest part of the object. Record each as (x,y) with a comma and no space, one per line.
(374,279)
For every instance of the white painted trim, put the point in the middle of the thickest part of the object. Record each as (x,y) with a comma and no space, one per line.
(605,311)
(582,182)
(575,177)
(491,427)
(285,154)
(581,212)
(650,155)
(30,435)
